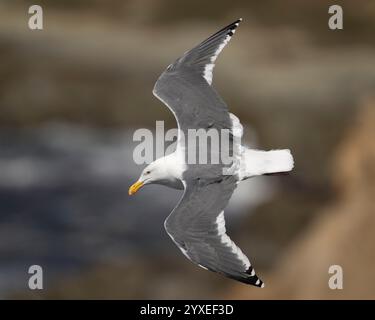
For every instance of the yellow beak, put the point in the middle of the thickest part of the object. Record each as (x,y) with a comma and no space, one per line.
(135,187)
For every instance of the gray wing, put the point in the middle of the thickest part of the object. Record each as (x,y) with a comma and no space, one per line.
(185,86)
(197,226)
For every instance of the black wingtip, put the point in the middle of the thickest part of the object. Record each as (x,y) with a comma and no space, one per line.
(248,277)
(233,26)
(253,278)
(236,23)
(254,281)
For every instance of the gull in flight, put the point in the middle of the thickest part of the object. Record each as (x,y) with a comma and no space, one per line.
(197,224)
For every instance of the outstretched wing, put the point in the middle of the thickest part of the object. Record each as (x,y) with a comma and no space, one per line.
(197,226)
(185,86)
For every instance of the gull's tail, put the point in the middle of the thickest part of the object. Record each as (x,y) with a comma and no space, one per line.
(256,162)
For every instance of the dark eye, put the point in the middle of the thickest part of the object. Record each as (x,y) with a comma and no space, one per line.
(147,172)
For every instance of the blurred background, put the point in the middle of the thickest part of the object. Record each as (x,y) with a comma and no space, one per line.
(72,95)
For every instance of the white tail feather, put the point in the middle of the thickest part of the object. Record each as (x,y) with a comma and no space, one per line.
(256,162)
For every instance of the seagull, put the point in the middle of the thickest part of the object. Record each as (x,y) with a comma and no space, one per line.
(197,224)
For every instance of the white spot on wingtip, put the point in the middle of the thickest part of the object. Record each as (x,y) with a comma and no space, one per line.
(203,267)
(262,286)
(257,282)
